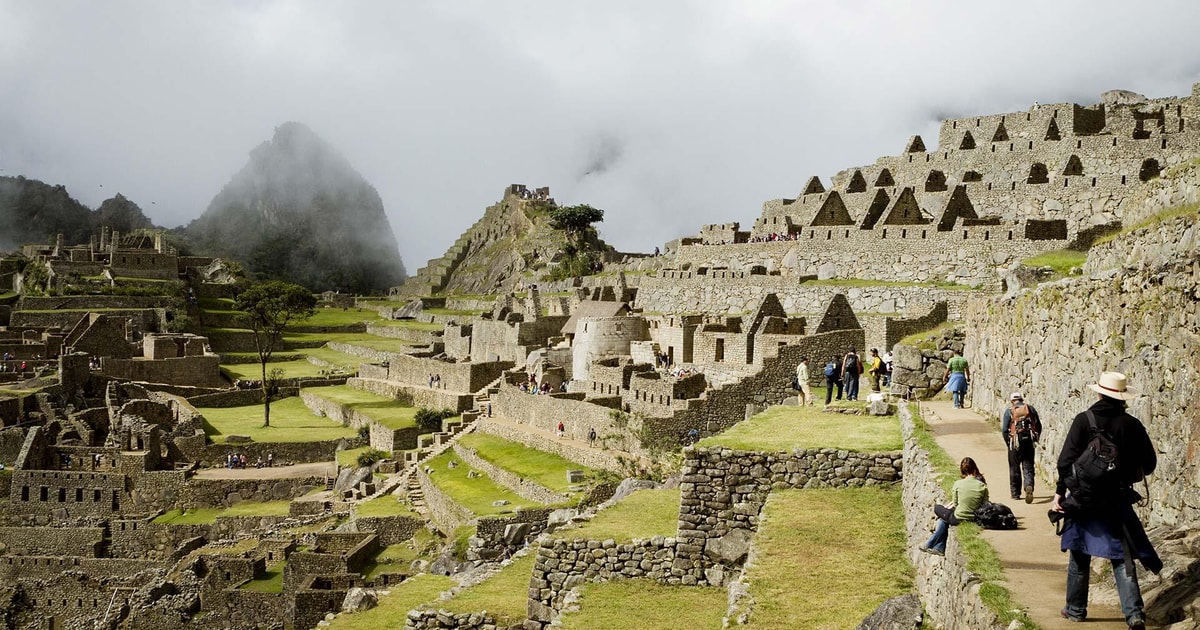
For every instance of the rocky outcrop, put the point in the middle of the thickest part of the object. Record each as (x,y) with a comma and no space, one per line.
(299,211)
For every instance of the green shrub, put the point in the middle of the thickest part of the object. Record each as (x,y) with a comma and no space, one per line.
(370,457)
(430,420)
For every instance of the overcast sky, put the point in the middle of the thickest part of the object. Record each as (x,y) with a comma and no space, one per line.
(667,115)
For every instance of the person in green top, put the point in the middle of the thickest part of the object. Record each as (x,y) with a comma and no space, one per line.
(967,494)
(958,376)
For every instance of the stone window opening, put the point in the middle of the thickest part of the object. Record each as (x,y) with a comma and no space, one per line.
(964,235)
(884,232)
(922,233)
(986,234)
(1079,144)
(1114,142)
(1010,146)
(79,495)
(1093,182)
(44,494)
(847,233)
(1122,180)
(1164,143)
(95,496)
(720,355)
(1150,169)
(1037,174)
(1066,181)
(24,493)
(1031,144)
(1014,186)
(993,148)
(829,233)
(954,125)
(903,233)
(1010,235)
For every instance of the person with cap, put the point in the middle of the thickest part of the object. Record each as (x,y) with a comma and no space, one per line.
(1104,524)
(1020,427)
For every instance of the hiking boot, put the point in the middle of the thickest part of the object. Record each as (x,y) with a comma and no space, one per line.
(931,550)
(1137,623)
(1029,494)
(1016,495)
(1069,617)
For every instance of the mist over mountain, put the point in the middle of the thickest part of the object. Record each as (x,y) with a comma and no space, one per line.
(32,211)
(299,211)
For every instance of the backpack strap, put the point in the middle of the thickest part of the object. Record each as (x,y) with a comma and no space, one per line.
(1091,418)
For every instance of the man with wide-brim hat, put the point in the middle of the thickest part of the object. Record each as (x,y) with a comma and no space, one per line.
(1100,520)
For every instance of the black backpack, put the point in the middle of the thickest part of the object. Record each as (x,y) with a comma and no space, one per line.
(995,516)
(852,364)
(1096,473)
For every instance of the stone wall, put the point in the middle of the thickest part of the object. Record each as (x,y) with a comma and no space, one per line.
(387,439)
(521,487)
(198,371)
(444,511)
(390,530)
(51,541)
(441,620)
(947,588)
(592,458)
(421,396)
(496,536)
(227,492)
(1135,313)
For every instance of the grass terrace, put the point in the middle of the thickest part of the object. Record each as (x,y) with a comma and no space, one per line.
(451,312)
(358,339)
(1060,260)
(386,505)
(393,607)
(789,428)
(408,323)
(1159,217)
(338,317)
(296,368)
(643,514)
(926,340)
(612,605)
(545,469)
(398,558)
(475,494)
(504,595)
(270,582)
(291,421)
(386,411)
(853,567)
(205,516)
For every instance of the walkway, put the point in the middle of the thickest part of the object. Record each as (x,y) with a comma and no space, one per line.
(328,469)
(1031,555)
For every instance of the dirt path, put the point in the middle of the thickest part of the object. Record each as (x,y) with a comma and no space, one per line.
(277,472)
(1031,555)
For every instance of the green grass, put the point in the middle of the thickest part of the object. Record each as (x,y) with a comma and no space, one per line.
(611,606)
(298,368)
(451,312)
(349,457)
(392,608)
(202,516)
(1060,260)
(338,317)
(851,567)
(1165,215)
(8,295)
(782,428)
(643,514)
(358,339)
(982,559)
(386,411)
(399,557)
(386,505)
(545,469)
(859,282)
(291,421)
(270,582)
(475,494)
(408,323)
(504,595)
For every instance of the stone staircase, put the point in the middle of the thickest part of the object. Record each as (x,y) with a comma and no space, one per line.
(484,396)
(433,277)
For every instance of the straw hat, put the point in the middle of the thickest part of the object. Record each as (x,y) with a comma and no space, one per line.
(1112,385)
(1016,396)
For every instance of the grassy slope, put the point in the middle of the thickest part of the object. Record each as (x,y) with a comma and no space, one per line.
(270,582)
(392,608)
(848,543)
(386,411)
(612,606)
(546,469)
(475,494)
(291,421)
(386,505)
(504,595)
(200,516)
(786,428)
(643,514)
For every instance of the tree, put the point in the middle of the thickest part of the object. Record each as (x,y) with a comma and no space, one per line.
(271,307)
(575,219)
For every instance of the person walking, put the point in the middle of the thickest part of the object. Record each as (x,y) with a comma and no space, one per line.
(833,378)
(806,396)
(967,494)
(851,370)
(958,378)
(1021,428)
(875,369)
(1097,498)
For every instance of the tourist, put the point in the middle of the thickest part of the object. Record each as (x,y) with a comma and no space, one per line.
(806,397)
(591,436)
(270,459)
(561,430)
(851,370)
(1021,427)
(875,369)
(489,409)
(958,378)
(1099,517)
(967,494)
(887,368)
(833,378)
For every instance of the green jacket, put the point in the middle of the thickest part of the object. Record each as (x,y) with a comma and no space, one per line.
(968,494)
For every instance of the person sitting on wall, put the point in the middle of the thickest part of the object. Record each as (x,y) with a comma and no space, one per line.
(967,494)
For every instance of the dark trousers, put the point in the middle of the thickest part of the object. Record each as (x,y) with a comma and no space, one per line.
(830,383)
(1020,468)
